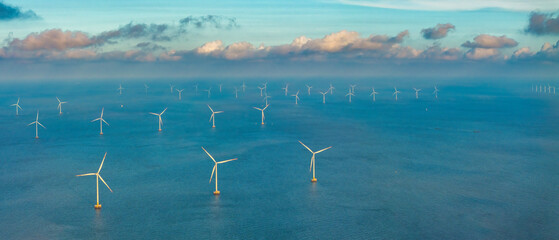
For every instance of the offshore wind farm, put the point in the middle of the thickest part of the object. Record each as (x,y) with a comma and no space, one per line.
(338,119)
(389,160)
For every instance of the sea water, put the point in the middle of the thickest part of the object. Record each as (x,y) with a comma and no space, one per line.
(481,161)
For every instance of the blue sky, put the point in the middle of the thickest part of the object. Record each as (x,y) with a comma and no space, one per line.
(232,32)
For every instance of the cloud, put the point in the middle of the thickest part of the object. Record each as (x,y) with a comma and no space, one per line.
(437,52)
(437,32)
(542,24)
(8,13)
(53,39)
(155,32)
(453,5)
(488,41)
(219,22)
(482,53)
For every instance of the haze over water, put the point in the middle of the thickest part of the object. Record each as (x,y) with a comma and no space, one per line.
(481,162)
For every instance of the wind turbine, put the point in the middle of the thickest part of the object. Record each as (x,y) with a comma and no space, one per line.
(296,97)
(324,96)
(180,93)
(101,121)
(285,88)
(17,106)
(417,92)
(244,86)
(236,93)
(436,92)
(353,88)
(220,87)
(209,92)
(374,94)
(266,88)
(170,85)
(120,89)
(159,115)
(37,123)
(146,87)
(262,110)
(396,93)
(308,89)
(212,118)
(214,170)
(331,89)
(312,159)
(196,86)
(60,106)
(97,206)
(261,88)
(350,93)
(266,98)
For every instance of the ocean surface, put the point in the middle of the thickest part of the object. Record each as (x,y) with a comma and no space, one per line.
(479,162)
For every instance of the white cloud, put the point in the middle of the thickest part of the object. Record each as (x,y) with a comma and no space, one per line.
(453,5)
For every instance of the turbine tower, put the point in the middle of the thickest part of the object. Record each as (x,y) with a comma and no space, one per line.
(262,110)
(60,106)
(17,107)
(214,170)
(324,96)
(396,93)
(180,93)
(436,92)
(417,92)
(374,94)
(120,89)
(296,97)
(159,116)
(98,176)
(350,93)
(37,123)
(308,89)
(212,117)
(312,159)
(101,121)
(285,88)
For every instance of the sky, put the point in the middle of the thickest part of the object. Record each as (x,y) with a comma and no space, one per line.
(337,38)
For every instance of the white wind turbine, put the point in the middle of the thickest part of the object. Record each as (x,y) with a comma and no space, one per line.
(261,89)
(308,89)
(220,87)
(146,87)
(17,106)
(353,88)
(37,123)
(296,97)
(350,93)
(212,117)
(331,89)
(262,110)
(60,106)
(374,94)
(196,86)
(324,96)
(266,88)
(170,85)
(120,89)
(96,174)
(209,90)
(214,170)
(285,88)
(396,93)
(417,90)
(436,92)
(266,98)
(159,116)
(101,121)
(244,86)
(236,93)
(180,93)
(312,159)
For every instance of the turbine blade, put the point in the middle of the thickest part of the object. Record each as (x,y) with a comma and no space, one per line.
(102,163)
(227,161)
(210,107)
(154,114)
(97,119)
(218,112)
(213,170)
(30,124)
(41,125)
(305,146)
(257,108)
(209,154)
(87,174)
(265,107)
(163,111)
(105,121)
(323,149)
(105,183)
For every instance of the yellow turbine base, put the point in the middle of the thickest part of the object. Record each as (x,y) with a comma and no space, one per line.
(160,130)
(216,193)
(97,206)
(36,137)
(213,126)
(262,123)
(100,133)
(313,180)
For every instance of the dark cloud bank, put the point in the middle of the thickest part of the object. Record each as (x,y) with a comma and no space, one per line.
(8,13)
